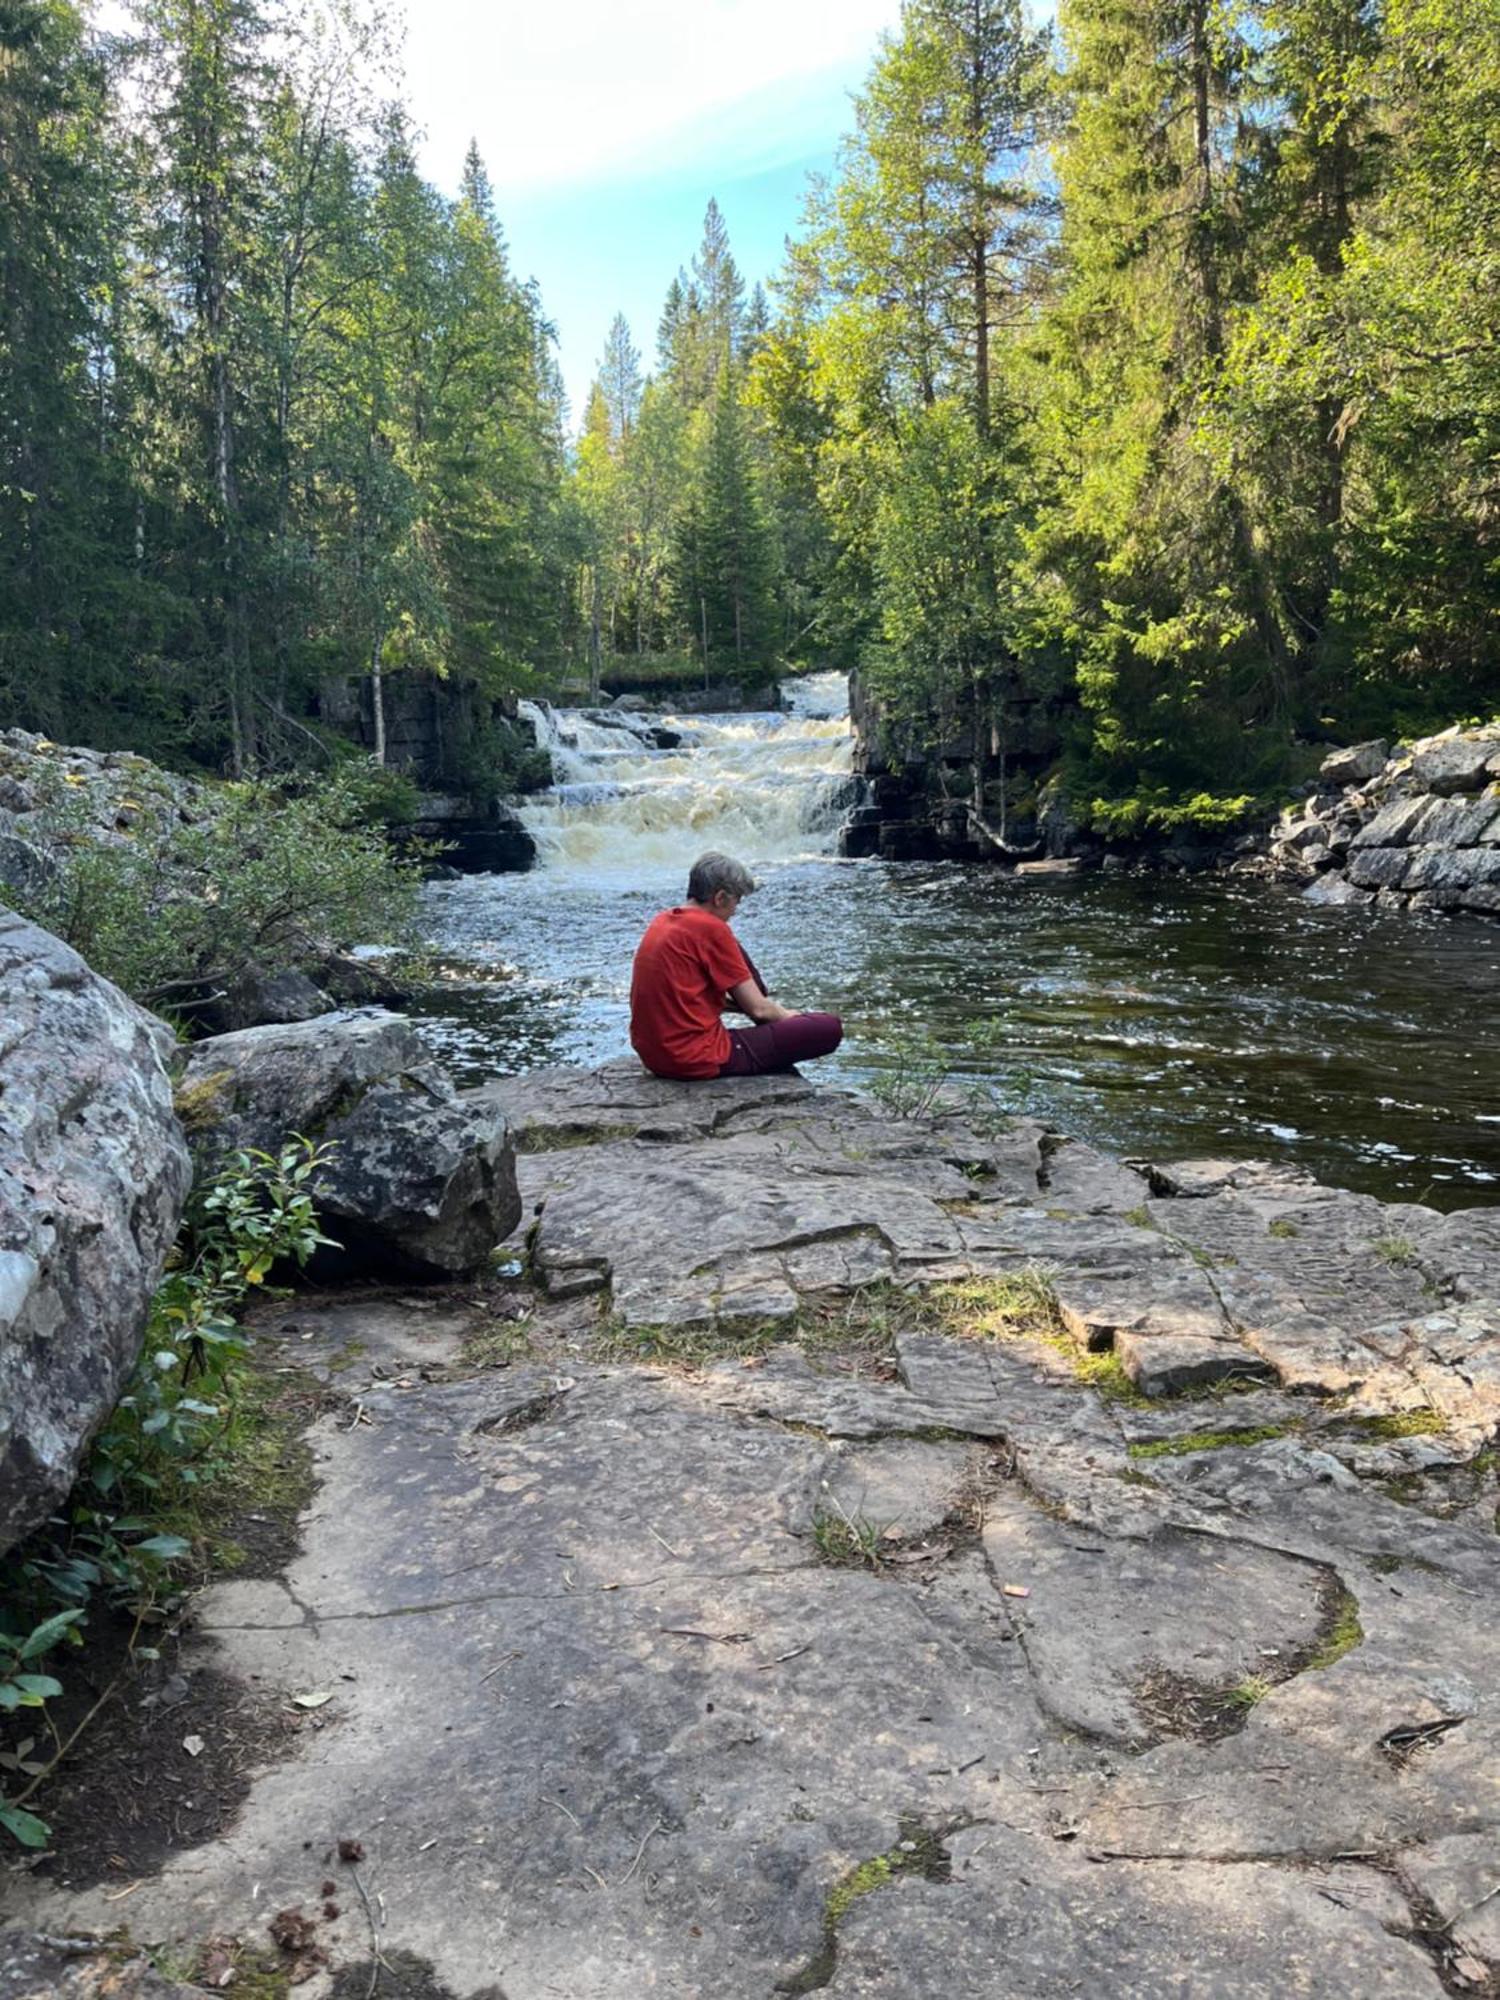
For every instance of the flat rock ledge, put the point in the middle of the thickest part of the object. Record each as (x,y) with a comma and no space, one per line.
(666,1640)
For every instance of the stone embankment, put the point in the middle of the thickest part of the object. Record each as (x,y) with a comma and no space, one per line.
(1417,829)
(889,1559)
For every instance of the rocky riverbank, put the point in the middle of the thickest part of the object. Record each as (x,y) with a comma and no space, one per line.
(885,1558)
(1413,829)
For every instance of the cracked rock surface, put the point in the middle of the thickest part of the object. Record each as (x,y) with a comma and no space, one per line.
(751,1634)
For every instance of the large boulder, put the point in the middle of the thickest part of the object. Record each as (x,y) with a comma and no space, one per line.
(1356,765)
(420,1180)
(93,1175)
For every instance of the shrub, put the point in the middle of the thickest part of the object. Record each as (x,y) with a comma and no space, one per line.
(172,1433)
(264,879)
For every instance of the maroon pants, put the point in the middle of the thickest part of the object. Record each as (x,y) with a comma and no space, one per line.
(776,1045)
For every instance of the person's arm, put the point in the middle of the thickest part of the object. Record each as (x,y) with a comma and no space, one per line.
(749,999)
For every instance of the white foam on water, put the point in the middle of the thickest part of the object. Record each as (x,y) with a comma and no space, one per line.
(764,787)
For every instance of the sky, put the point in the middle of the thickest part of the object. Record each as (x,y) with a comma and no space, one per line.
(606,126)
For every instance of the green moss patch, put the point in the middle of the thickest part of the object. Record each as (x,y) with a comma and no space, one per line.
(1400,1424)
(1222,1440)
(919,1851)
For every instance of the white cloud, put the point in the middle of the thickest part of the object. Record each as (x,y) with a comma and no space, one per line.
(558,92)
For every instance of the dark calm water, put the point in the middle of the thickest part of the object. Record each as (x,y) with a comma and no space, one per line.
(1150,1016)
(1153,1015)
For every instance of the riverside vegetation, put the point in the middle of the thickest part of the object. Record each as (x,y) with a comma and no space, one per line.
(1129,394)
(142,1520)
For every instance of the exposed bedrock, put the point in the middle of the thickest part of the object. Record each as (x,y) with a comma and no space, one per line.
(719,1616)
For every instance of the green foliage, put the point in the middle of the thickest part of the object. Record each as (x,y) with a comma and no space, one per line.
(174,1432)
(275,411)
(917,1073)
(1132,397)
(264,878)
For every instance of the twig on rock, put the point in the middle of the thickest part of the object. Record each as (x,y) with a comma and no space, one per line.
(764,1666)
(648,1837)
(378,1961)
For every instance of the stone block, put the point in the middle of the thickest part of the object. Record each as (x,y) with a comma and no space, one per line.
(1356,765)
(1460,764)
(1392,826)
(1334,891)
(1455,822)
(1452,867)
(1379,867)
(1167,1363)
(93,1175)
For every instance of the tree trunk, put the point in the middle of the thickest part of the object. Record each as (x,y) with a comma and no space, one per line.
(377,700)
(596,613)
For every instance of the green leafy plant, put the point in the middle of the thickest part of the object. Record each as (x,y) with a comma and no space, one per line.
(262,878)
(918,1075)
(132,1513)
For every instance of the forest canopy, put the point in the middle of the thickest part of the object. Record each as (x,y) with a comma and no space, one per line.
(1138,373)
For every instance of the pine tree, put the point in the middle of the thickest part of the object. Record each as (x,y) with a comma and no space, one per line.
(620,380)
(67,588)
(735,561)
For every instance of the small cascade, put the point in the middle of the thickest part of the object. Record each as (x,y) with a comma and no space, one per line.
(637,791)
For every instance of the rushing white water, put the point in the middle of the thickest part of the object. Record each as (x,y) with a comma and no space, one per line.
(765,787)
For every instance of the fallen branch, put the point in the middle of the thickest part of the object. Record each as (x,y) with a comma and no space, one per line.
(377,1961)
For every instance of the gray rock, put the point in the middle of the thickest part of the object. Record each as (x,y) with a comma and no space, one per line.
(25,871)
(1162,1361)
(359,982)
(1455,822)
(1460,764)
(1355,765)
(420,1179)
(261,999)
(1458,1877)
(93,1175)
(1007,1923)
(1394,824)
(1104,1718)
(252,1088)
(1380,867)
(631,704)
(1457,868)
(1334,891)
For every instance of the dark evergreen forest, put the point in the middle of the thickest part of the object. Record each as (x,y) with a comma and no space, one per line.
(1142,372)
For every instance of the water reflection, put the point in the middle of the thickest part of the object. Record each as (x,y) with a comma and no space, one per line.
(1149,1016)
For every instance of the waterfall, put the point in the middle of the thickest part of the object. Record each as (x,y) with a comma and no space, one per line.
(638,791)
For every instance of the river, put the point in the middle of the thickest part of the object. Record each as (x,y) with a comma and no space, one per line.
(1152,1015)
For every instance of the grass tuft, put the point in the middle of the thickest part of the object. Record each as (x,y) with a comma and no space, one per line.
(1399,1251)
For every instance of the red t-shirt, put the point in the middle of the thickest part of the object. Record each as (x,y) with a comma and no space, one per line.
(684,967)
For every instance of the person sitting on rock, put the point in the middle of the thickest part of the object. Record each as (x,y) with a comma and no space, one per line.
(689,966)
